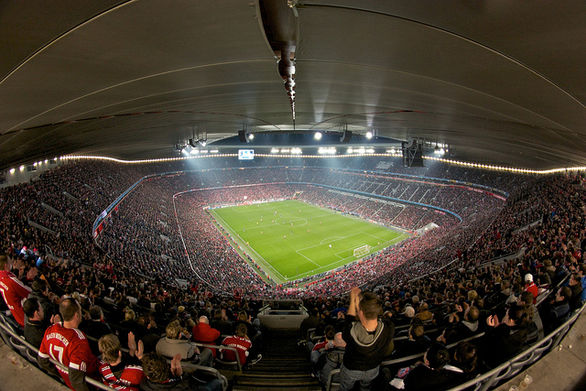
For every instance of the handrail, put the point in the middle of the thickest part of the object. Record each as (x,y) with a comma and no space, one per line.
(222,347)
(490,378)
(100,385)
(401,359)
(87,379)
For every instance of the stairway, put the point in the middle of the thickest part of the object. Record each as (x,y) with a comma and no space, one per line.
(284,366)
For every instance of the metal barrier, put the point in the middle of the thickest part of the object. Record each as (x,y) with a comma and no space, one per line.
(24,345)
(399,360)
(222,347)
(16,342)
(515,365)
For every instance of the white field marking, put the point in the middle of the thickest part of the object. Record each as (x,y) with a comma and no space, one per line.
(309,259)
(330,238)
(333,241)
(243,243)
(345,260)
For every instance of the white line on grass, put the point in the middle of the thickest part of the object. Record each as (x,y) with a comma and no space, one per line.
(227,226)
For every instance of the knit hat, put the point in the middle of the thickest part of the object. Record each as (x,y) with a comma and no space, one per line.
(528,277)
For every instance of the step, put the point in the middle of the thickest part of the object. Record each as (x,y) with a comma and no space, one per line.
(297,382)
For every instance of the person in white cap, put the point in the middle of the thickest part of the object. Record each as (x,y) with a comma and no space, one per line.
(531,287)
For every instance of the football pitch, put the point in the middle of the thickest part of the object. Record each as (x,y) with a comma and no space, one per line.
(291,239)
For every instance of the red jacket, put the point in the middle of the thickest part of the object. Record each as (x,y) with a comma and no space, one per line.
(13,292)
(534,291)
(204,333)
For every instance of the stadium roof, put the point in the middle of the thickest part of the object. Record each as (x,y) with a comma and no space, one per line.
(499,81)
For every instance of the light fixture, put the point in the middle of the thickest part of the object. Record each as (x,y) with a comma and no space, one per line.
(274,150)
(317,136)
(12,171)
(368,135)
(21,168)
(250,136)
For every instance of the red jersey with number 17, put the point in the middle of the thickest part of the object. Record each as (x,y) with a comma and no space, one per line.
(69,347)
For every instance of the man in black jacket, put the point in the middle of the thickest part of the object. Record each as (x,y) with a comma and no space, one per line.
(368,340)
(34,327)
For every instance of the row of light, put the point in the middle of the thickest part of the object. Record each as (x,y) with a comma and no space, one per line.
(327,150)
(199,151)
(292,151)
(317,135)
(12,171)
(328,155)
(360,151)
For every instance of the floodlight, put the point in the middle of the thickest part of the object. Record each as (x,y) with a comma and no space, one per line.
(369,135)
(317,136)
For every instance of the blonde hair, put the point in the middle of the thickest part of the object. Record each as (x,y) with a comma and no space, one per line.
(173,329)
(109,346)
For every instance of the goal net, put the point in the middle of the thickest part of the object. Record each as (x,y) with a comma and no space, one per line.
(362,250)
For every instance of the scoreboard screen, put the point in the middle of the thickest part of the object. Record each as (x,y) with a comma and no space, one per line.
(246,154)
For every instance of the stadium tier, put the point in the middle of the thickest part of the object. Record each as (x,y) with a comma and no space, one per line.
(154,243)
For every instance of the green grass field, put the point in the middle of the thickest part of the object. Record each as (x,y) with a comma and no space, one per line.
(291,239)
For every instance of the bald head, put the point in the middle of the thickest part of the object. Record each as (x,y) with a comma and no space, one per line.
(204,319)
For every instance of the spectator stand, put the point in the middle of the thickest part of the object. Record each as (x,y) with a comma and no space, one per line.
(515,365)
(29,352)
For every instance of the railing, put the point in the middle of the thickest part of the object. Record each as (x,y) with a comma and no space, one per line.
(25,345)
(17,342)
(515,365)
(222,347)
(505,371)
(400,360)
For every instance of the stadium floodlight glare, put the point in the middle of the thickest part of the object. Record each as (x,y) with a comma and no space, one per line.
(317,136)
(12,171)
(370,150)
(214,151)
(21,168)
(274,150)
(251,136)
(326,150)
(296,151)
(439,151)
(195,151)
(349,150)
(368,135)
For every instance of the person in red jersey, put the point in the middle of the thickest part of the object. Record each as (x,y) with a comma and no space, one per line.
(119,370)
(531,287)
(69,346)
(242,343)
(13,291)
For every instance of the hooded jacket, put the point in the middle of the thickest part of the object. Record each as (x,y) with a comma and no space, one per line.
(366,350)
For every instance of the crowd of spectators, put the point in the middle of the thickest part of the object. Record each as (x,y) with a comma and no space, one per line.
(132,286)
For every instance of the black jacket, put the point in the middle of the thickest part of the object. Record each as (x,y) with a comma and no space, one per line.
(366,350)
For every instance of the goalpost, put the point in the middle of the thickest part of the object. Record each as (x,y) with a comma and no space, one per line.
(361,251)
